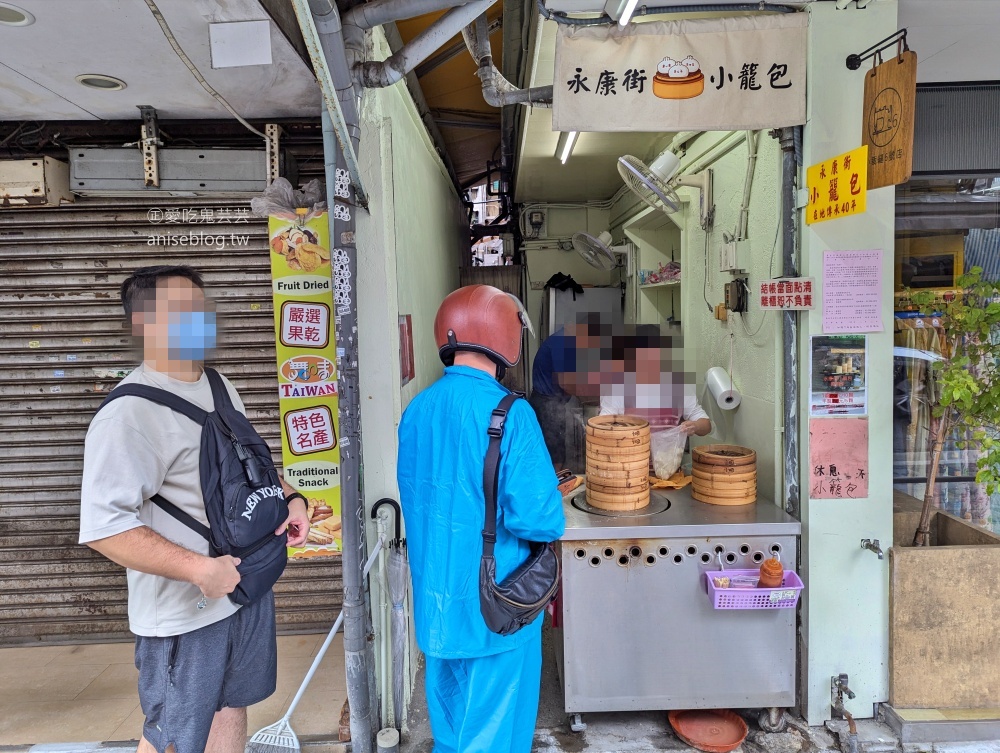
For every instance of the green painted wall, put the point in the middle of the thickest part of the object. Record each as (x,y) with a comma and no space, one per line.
(409,249)
(845,610)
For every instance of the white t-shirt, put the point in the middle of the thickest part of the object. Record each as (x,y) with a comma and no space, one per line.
(615,405)
(134,449)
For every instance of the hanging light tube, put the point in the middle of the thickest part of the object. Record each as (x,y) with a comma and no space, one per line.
(627,12)
(564,148)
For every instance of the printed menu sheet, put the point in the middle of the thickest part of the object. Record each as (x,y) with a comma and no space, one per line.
(852,286)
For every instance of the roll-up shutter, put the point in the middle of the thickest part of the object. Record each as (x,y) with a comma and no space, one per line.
(63,347)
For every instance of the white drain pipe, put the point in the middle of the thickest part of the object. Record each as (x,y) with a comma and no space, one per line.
(393,69)
(497,90)
(323,48)
(379,12)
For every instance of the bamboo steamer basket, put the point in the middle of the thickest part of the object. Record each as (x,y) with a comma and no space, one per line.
(617,463)
(724,475)
(617,427)
(604,475)
(604,486)
(618,501)
(724,455)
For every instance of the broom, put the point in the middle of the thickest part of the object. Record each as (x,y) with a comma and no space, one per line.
(280,737)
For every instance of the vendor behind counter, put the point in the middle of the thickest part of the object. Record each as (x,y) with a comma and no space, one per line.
(655,386)
(635,371)
(561,382)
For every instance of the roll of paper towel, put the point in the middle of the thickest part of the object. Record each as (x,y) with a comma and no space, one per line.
(720,386)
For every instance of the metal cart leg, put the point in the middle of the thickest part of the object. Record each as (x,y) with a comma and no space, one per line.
(576,723)
(772,720)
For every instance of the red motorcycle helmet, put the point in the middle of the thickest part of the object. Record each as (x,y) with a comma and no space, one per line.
(481,319)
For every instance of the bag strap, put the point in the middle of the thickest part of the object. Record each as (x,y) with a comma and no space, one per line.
(220,395)
(161,397)
(178,514)
(491,470)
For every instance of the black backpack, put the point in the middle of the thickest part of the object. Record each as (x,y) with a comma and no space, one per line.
(244,500)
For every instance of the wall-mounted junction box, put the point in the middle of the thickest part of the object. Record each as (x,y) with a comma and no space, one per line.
(733,255)
(736,295)
(41,182)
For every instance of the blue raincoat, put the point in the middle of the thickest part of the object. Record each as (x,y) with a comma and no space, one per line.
(482,688)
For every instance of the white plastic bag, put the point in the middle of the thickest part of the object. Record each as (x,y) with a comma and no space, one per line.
(281,200)
(667,448)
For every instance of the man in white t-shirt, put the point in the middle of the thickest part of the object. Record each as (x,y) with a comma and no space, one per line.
(652,389)
(202,659)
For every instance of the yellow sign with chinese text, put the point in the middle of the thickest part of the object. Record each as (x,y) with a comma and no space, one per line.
(837,187)
(307,373)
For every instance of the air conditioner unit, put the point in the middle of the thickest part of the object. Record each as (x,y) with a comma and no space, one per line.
(225,173)
(40,182)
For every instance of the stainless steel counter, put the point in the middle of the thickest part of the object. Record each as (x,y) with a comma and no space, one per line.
(638,628)
(685,517)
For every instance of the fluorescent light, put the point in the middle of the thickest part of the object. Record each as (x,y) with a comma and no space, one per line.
(567,140)
(627,12)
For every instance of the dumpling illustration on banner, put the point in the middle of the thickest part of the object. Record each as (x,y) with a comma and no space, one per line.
(678,79)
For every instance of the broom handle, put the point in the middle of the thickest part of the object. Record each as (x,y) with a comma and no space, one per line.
(329,638)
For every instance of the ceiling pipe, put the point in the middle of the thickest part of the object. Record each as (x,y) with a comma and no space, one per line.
(393,69)
(379,12)
(319,21)
(451,52)
(497,90)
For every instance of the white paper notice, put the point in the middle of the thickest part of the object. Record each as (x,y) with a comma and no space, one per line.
(852,291)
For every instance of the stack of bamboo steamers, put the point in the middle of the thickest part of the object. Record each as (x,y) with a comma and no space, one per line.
(617,463)
(724,474)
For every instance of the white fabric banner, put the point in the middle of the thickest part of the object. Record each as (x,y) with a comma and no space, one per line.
(725,74)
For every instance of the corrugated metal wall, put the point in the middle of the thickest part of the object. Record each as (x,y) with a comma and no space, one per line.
(955,129)
(63,347)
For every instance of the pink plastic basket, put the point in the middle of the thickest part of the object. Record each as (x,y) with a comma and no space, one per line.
(785,597)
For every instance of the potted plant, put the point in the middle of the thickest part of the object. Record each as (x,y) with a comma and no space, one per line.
(969,382)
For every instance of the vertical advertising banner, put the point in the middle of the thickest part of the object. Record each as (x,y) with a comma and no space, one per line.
(307,373)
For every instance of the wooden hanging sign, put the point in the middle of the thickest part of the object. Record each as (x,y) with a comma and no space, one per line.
(890,99)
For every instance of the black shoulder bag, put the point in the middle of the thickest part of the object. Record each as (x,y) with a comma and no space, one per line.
(519,599)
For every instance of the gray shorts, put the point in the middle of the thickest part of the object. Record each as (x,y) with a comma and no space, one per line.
(185,679)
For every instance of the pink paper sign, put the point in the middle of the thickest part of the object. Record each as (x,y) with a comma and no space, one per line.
(838,458)
(852,291)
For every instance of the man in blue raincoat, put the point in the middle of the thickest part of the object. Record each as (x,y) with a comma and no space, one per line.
(482,688)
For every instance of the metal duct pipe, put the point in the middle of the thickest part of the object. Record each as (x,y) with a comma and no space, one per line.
(421,47)
(497,90)
(341,126)
(789,327)
(358,654)
(326,51)
(378,12)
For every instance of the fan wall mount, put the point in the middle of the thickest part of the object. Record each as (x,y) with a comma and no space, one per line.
(656,183)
